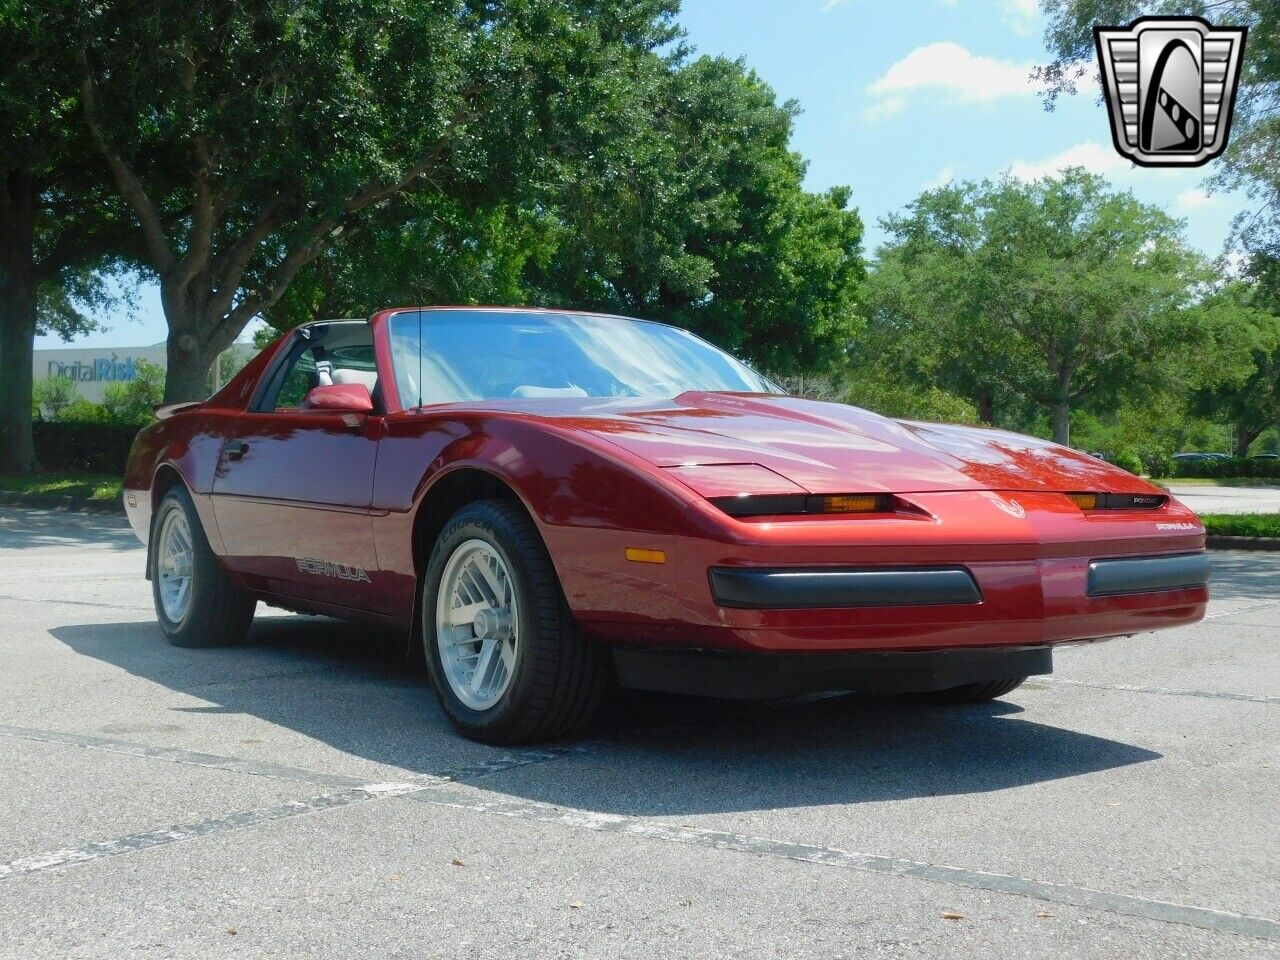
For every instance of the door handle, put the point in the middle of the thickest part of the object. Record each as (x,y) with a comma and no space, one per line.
(235,449)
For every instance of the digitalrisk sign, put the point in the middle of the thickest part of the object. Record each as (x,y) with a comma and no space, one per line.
(110,369)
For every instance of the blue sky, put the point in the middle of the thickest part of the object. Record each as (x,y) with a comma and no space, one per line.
(897,97)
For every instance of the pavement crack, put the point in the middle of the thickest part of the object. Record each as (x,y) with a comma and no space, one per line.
(1220,921)
(1163,691)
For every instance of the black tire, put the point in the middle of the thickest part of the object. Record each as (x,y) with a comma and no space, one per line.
(975,692)
(559,677)
(219,612)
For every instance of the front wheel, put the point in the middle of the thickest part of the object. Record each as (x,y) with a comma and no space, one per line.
(197,604)
(975,692)
(505,654)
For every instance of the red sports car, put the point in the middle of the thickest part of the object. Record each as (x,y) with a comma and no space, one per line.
(552,503)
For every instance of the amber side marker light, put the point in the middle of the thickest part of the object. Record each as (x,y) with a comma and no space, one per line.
(1118,501)
(641,555)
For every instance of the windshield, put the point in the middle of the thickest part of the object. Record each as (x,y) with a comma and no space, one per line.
(443,356)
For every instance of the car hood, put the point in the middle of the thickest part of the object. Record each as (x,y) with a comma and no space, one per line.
(834,448)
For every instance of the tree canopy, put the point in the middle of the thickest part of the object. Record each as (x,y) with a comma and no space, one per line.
(687,206)
(248,137)
(1056,293)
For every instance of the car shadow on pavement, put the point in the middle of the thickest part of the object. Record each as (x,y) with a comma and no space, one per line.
(1243,575)
(350,688)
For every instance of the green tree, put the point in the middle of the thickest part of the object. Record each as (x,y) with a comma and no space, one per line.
(1057,293)
(292,122)
(1244,389)
(52,395)
(1250,159)
(696,214)
(60,224)
(683,202)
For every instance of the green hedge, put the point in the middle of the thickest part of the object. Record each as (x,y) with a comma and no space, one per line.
(1235,467)
(83,447)
(1242,524)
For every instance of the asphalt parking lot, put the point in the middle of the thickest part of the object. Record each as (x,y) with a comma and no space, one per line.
(1223,499)
(302,795)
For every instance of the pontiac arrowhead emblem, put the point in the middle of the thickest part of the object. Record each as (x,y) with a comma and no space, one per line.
(1170,85)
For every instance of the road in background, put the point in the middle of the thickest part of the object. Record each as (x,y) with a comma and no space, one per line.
(302,795)
(1228,499)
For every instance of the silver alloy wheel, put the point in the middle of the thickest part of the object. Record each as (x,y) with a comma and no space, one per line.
(174,565)
(477,624)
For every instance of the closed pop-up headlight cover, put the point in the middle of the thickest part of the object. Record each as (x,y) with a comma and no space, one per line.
(715,480)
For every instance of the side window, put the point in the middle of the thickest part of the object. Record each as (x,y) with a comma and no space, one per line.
(324,355)
(299,379)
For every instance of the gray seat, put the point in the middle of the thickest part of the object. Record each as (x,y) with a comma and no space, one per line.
(368,377)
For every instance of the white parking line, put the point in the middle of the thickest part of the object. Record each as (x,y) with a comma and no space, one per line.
(1128,904)
(442,790)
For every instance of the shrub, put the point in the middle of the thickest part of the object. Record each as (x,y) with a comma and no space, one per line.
(1127,460)
(134,401)
(83,447)
(53,395)
(1235,467)
(1158,463)
(85,411)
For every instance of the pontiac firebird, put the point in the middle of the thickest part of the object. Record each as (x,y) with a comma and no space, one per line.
(550,505)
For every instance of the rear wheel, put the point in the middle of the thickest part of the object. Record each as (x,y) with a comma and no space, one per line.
(196,602)
(975,692)
(505,654)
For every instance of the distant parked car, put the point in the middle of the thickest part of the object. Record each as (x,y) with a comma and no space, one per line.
(1265,456)
(1199,457)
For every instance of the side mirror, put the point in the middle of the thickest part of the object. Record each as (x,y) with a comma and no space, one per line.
(340,398)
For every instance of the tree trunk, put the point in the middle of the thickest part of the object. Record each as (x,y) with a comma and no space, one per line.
(986,404)
(17,321)
(1062,422)
(1245,437)
(188,370)
(1062,406)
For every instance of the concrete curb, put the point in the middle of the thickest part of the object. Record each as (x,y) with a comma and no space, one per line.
(1218,542)
(51,501)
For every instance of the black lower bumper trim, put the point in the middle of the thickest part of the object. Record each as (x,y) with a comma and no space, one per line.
(761,676)
(783,588)
(1109,578)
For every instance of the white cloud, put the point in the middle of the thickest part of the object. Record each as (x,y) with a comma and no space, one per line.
(1022,15)
(944,177)
(1091,155)
(950,70)
(1192,199)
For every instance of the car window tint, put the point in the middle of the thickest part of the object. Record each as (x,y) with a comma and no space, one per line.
(301,377)
(451,355)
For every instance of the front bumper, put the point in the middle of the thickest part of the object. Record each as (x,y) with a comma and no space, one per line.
(1129,575)
(1031,573)
(755,588)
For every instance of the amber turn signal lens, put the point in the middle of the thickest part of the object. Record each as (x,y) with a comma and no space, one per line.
(853,504)
(1085,501)
(646,556)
